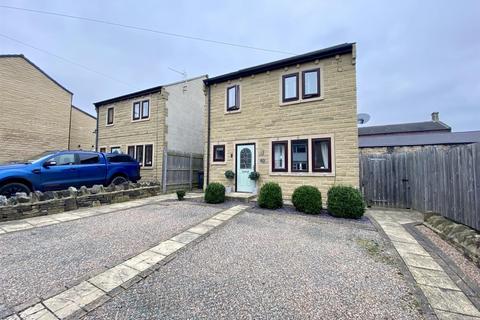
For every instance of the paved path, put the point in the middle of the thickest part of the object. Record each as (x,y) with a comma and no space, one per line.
(444,296)
(272,265)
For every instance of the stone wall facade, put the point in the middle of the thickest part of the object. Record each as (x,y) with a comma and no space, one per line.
(35,110)
(263,118)
(82,130)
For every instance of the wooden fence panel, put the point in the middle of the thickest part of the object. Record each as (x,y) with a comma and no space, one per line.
(446,181)
(182,170)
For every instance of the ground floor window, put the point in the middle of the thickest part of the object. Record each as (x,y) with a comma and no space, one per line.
(321,155)
(299,155)
(103,149)
(219,153)
(143,153)
(116,150)
(280,156)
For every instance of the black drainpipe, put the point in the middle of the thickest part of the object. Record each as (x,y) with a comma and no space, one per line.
(96,131)
(208,137)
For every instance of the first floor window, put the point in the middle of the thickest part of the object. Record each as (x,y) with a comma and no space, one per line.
(290,87)
(148,155)
(145,109)
(299,155)
(322,155)
(219,153)
(311,83)
(110,115)
(233,98)
(139,154)
(280,158)
(136,111)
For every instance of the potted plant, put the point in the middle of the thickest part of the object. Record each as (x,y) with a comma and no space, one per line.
(229,174)
(180,195)
(254,176)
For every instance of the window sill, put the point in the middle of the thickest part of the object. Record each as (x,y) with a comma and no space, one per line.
(141,120)
(146,168)
(218,162)
(303,174)
(109,125)
(233,111)
(301,101)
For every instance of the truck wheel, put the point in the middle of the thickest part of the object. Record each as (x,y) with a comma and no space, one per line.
(10,189)
(118,180)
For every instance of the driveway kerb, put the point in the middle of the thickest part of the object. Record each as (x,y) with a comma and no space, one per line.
(442,296)
(91,293)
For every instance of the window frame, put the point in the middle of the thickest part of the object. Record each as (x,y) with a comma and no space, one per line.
(291,154)
(312,142)
(142,110)
(108,123)
(285,143)
(115,147)
(145,155)
(143,146)
(102,148)
(214,158)
(236,107)
(310,96)
(286,76)
(138,103)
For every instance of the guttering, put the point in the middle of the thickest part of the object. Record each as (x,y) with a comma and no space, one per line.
(208,136)
(96,132)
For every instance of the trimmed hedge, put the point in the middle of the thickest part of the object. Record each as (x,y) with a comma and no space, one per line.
(270,196)
(345,202)
(215,193)
(307,199)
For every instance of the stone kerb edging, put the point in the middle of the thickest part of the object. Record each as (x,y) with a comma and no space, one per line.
(43,203)
(460,236)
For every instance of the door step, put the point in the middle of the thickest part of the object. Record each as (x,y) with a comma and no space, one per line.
(240,196)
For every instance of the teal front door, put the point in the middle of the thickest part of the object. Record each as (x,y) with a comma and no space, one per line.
(245,164)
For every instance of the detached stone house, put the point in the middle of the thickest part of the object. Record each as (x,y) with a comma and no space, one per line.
(294,121)
(147,123)
(37,112)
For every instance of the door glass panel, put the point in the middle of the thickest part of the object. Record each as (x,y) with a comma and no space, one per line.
(64,159)
(245,159)
(88,158)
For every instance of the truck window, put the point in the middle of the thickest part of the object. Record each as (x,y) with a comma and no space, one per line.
(64,159)
(120,158)
(89,158)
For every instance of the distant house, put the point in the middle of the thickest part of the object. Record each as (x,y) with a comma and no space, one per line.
(292,120)
(37,112)
(147,123)
(405,137)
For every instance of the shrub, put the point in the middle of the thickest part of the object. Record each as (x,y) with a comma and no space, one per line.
(270,196)
(215,193)
(345,202)
(307,199)
(229,174)
(254,175)
(180,195)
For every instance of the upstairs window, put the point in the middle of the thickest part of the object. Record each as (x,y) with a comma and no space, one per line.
(219,153)
(299,155)
(136,111)
(233,98)
(110,115)
(141,110)
(290,87)
(311,83)
(280,156)
(322,155)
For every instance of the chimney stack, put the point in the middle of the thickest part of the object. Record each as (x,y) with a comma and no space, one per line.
(435,117)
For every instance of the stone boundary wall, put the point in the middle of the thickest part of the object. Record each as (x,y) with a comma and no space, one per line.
(466,239)
(44,203)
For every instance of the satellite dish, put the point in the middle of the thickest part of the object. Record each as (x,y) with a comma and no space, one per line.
(363,118)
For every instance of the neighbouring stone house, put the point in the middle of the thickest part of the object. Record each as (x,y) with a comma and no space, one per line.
(82,130)
(36,112)
(294,121)
(147,123)
(410,137)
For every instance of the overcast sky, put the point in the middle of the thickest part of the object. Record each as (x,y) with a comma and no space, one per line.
(413,57)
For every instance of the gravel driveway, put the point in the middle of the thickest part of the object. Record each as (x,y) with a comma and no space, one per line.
(37,261)
(269,265)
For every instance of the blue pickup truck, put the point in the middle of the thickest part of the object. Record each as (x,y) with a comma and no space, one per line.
(58,170)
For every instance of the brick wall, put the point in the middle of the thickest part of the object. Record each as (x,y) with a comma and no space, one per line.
(35,111)
(82,130)
(262,118)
